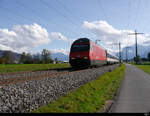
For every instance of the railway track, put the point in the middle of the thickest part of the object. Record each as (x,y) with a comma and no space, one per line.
(25,77)
(20,77)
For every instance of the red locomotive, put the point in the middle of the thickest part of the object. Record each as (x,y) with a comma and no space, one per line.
(85,53)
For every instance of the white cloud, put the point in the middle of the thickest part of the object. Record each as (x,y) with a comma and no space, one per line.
(4,47)
(25,37)
(64,51)
(57,35)
(108,34)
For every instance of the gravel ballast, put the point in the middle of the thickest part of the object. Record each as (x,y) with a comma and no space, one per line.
(27,96)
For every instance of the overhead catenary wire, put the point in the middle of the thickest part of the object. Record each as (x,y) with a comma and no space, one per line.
(38,13)
(102,9)
(128,23)
(59,13)
(137,14)
(67,10)
(12,19)
(129,8)
(54,9)
(33,11)
(17,14)
(27,7)
(140,21)
(146,6)
(22,16)
(104,13)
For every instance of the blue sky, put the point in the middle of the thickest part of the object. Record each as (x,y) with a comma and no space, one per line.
(32,25)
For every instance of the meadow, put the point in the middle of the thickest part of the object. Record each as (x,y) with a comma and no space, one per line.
(5,68)
(144,66)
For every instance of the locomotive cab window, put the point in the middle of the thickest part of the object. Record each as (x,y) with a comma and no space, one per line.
(80,47)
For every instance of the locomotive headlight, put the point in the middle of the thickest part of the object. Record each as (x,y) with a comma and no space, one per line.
(85,57)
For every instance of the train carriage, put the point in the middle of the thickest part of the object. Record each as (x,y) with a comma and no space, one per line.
(111,59)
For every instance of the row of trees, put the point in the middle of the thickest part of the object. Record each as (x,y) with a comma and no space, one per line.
(27,58)
(138,59)
(148,56)
(44,57)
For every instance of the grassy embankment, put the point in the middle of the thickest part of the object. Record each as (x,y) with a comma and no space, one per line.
(145,67)
(89,97)
(5,68)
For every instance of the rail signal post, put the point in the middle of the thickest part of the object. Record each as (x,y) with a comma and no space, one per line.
(136,50)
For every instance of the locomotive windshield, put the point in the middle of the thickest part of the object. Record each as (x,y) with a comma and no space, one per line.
(80,47)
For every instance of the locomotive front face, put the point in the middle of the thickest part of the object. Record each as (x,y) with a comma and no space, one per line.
(79,53)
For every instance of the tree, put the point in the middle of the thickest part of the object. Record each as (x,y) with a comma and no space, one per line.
(137,59)
(28,59)
(23,57)
(56,60)
(148,56)
(8,57)
(46,56)
(144,59)
(36,58)
(2,60)
(51,61)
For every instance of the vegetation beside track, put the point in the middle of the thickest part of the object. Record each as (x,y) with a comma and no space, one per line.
(144,66)
(5,68)
(143,63)
(89,97)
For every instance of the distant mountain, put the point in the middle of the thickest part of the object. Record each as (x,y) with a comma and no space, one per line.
(60,56)
(15,56)
(142,51)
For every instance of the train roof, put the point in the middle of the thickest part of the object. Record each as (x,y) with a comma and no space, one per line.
(86,40)
(82,40)
(111,53)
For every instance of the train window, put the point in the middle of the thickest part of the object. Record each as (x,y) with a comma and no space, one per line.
(80,47)
(111,56)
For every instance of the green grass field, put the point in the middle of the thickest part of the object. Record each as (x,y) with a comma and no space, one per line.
(5,68)
(89,97)
(143,63)
(144,66)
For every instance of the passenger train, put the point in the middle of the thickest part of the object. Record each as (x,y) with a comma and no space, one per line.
(85,53)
